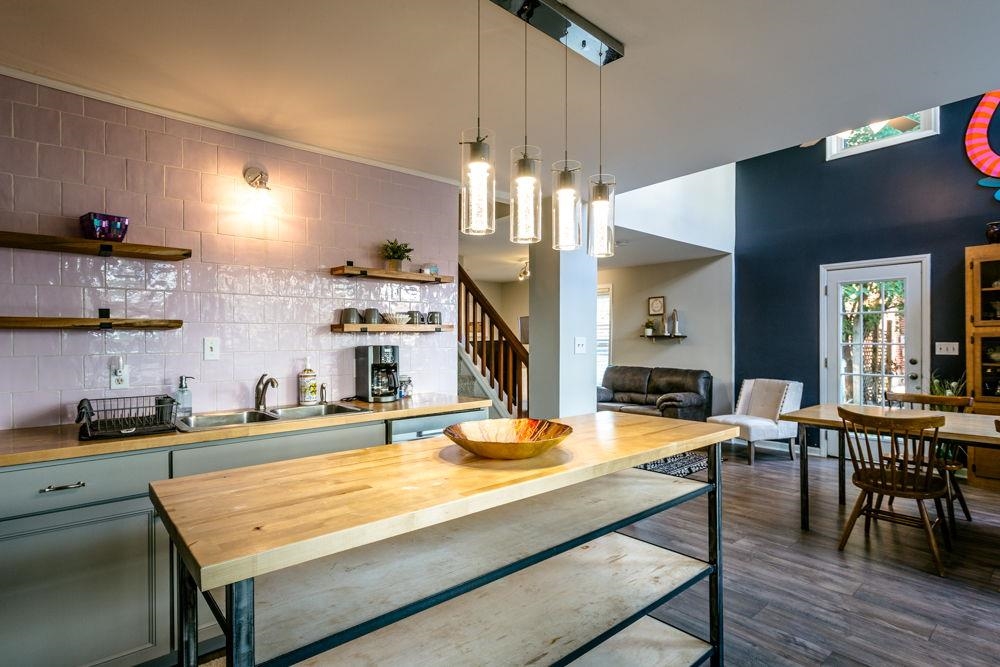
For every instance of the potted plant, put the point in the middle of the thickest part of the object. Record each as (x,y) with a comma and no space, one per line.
(648,330)
(394,252)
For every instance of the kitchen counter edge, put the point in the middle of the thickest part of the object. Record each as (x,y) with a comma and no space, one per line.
(54,443)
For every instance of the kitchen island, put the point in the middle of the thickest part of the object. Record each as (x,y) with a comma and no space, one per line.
(280,539)
(81,510)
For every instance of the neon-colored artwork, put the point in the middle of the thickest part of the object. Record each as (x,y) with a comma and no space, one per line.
(977,141)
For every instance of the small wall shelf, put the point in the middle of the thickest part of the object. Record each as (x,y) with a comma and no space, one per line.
(361,327)
(665,336)
(86,323)
(91,247)
(350,271)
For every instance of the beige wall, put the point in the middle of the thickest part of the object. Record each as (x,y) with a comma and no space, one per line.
(515,303)
(702,292)
(492,291)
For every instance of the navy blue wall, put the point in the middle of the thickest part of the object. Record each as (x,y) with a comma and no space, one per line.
(796,211)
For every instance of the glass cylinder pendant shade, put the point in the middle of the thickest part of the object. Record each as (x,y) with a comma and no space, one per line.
(601,216)
(479,183)
(525,194)
(566,205)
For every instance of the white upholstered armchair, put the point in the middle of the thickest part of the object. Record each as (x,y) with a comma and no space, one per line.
(758,408)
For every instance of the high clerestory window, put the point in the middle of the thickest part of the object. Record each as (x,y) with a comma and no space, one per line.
(880,134)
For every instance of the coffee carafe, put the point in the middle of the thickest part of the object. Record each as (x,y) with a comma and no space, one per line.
(376,373)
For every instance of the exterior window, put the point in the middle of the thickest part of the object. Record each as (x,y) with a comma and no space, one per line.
(883,133)
(603,345)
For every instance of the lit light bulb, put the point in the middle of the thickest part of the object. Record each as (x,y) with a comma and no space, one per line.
(602,216)
(525,186)
(478,180)
(566,218)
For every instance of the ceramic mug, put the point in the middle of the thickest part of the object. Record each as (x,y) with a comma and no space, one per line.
(350,316)
(416,317)
(372,316)
(434,317)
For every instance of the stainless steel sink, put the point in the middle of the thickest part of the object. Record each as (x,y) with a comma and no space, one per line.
(321,410)
(223,419)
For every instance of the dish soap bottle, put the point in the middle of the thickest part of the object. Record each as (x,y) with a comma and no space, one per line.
(183,397)
(308,394)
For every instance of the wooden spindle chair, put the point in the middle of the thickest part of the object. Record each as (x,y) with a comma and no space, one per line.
(896,456)
(951,456)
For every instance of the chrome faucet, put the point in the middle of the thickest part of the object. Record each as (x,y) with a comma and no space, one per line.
(260,393)
(322,393)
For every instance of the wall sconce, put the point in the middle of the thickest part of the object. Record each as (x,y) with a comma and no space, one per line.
(524,273)
(256,178)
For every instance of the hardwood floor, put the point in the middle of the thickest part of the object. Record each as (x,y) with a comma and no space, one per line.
(792,599)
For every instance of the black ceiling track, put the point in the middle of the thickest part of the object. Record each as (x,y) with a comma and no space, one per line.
(566,27)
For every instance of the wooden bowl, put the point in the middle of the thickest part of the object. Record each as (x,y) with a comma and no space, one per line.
(508,438)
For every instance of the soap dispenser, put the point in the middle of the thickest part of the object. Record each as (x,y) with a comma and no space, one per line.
(183,397)
(308,392)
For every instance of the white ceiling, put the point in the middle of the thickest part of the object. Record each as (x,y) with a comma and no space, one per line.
(702,83)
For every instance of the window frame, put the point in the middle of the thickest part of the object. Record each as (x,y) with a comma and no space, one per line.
(930,123)
(611,325)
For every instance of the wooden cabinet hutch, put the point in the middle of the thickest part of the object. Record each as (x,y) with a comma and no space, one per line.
(982,358)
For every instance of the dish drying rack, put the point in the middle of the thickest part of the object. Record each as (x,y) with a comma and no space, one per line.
(123,417)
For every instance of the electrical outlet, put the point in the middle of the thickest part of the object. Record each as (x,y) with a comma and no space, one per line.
(119,377)
(580,345)
(946,349)
(210,348)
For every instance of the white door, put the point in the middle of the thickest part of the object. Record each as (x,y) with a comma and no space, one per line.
(874,334)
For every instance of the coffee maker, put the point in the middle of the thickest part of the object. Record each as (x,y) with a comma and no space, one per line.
(376,373)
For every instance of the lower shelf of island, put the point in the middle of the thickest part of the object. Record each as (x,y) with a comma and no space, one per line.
(467,591)
(87,323)
(390,328)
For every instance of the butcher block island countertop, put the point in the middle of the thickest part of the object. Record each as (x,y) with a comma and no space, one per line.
(53,443)
(459,559)
(238,524)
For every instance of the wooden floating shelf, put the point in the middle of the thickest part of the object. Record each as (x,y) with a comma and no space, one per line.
(658,336)
(91,247)
(86,323)
(385,274)
(390,328)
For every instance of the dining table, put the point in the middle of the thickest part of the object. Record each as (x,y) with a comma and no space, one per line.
(965,428)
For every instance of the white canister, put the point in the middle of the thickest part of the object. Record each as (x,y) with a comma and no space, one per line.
(308,386)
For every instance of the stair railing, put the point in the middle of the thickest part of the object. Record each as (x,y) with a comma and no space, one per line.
(488,340)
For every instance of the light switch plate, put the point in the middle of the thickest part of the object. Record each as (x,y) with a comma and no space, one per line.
(210,348)
(946,349)
(580,345)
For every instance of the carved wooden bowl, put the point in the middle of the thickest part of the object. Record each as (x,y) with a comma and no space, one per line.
(508,438)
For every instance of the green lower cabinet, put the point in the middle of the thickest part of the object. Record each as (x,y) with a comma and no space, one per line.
(81,586)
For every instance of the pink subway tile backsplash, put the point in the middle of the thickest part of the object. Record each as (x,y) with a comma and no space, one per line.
(144,120)
(79,199)
(144,177)
(18,156)
(36,123)
(83,132)
(258,277)
(6,192)
(22,374)
(104,171)
(164,149)
(59,163)
(113,113)
(127,142)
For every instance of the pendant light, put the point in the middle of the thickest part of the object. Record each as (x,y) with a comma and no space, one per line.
(479,182)
(565,182)
(601,209)
(525,178)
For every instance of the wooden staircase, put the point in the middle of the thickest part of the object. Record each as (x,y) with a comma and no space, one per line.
(493,348)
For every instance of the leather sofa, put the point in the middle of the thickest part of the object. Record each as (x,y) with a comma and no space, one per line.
(660,392)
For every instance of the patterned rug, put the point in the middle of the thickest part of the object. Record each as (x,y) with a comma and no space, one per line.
(679,465)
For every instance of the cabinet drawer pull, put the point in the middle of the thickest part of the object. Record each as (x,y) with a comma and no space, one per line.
(62,487)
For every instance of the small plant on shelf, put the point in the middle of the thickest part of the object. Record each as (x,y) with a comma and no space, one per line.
(394,252)
(648,328)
